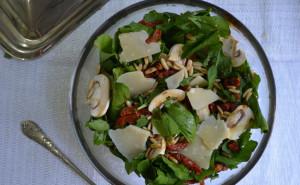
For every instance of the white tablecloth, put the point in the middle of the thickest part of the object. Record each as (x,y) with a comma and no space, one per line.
(38,90)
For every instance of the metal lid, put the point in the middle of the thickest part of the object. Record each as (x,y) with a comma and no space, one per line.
(30,28)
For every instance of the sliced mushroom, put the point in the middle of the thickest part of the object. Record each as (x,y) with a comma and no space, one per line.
(158,147)
(238,58)
(229,46)
(98,98)
(157,101)
(238,121)
(175,53)
(230,49)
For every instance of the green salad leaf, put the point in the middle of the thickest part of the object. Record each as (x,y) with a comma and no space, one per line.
(164,123)
(184,119)
(120,93)
(100,128)
(142,121)
(247,146)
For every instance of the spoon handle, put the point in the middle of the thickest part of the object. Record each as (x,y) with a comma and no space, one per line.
(34,132)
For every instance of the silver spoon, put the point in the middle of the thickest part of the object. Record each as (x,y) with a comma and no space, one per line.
(34,132)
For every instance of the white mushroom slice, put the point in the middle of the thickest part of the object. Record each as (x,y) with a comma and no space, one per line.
(198,152)
(134,46)
(238,121)
(238,58)
(200,98)
(229,46)
(158,100)
(174,81)
(175,53)
(198,80)
(130,141)
(99,101)
(203,113)
(213,132)
(136,82)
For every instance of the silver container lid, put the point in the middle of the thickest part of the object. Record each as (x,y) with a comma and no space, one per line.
(29,28)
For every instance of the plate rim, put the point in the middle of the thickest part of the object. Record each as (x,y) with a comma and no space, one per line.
(144,4)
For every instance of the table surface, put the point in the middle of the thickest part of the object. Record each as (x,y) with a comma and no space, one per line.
(38,90)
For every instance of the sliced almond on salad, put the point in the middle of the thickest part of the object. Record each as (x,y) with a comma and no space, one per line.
(136,82)
(158,100)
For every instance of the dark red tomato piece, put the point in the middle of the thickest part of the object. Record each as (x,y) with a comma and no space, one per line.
(155,37)
(150,24)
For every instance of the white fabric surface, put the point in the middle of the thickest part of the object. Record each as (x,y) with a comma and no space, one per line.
(38,90)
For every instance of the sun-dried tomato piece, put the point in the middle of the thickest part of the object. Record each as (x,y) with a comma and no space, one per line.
(177,147)
(186,162)
(130,119)
(228,106)
(233,146)
(150,24)
(144,112)
(128,110)
(166,73)
(220,167)
(232,81)
(155,37)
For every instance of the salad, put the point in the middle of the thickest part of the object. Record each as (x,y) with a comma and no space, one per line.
(175,98)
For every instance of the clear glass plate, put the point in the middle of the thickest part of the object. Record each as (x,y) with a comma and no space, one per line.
(111,167)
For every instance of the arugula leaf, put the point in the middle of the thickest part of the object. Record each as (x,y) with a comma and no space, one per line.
(134,27)
(184,120)
(179,170)
(105,45)
(164,178)
(164,123)
(100,138)
(100,128)
(143,167)
(131,166)
(186,81)
(195,46)
(142,121)
(259,120)
(120,93)
(232,159)
(212,75)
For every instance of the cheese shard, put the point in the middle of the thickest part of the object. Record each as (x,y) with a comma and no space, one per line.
(200,98)
(198,152)
(213,132)
(130,141)
(136,82)
(198,80)
(174,81)
(203,113)
(134,46)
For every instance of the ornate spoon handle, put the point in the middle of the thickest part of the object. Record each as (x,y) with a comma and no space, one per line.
(34,132)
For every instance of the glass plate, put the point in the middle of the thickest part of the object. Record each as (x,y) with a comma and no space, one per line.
(111,167)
